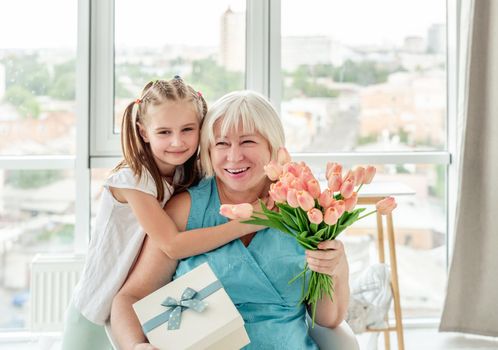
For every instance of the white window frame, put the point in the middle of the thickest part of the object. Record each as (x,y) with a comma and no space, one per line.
(98,146)
(263,74)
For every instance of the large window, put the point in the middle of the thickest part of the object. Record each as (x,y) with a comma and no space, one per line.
(37,134)
(361,82)
(370,77)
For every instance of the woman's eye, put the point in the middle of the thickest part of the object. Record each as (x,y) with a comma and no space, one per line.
(188,129)
(248,141)
(221,143)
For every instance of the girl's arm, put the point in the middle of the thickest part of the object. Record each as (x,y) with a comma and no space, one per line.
(152,270)
(330,259)
(163,231)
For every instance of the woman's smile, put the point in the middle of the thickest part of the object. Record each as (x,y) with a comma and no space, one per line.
(237,172)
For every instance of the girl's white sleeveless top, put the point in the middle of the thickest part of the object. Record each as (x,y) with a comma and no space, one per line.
(114,246)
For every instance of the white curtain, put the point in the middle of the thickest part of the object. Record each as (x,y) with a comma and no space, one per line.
(471,304)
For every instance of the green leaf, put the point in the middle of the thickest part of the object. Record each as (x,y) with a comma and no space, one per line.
(352,218)
(303,219)
(313,227)
(270,223)
(289,211)
(286,207)
(305,243)
(303,234)
(289,220)
(321,232)
(314,239)
(269,214)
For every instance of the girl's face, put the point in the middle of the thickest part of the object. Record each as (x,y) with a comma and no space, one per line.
(172,130)
(238,160)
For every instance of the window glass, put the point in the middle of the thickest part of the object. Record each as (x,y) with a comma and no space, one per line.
(202,41)
(37,77)
(37,216)
(364,75)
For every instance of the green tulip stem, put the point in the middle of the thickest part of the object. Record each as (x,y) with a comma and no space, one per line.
(364,216)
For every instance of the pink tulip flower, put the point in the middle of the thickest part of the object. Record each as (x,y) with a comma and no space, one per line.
(335,182)
(386,205)
(287,178)
(333,168)
(326,198)
(349,176)
(331,216)
(347,188)
(298,185)
(306,176)
(369,174)
(315,216)
(340,206)
(351,202)
(293,168)
(359,175)
(278,192)
(236,211)
(305,200)
(283,156)
(273,170)
(292,198)
(313,188)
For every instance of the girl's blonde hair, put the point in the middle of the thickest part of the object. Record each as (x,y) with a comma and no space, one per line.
(137,153)
(247,108)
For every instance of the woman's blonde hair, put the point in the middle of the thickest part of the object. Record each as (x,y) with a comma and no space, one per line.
(248,109)
(137,153)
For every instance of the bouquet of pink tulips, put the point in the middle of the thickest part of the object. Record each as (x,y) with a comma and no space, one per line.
(309,214)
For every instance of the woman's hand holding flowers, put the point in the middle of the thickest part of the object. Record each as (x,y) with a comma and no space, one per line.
(329,259)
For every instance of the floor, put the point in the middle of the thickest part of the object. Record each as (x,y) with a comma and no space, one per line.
(415,339)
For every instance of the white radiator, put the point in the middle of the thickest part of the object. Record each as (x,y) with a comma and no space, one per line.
(53,278)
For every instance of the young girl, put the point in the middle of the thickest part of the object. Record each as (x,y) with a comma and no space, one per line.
(160,139)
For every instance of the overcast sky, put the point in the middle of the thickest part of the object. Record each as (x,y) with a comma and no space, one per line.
(52,23)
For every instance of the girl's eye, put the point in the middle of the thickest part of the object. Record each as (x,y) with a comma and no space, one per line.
(221,143)
(164,132)
(188,129)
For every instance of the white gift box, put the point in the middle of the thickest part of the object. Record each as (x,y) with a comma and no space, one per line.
(219,326)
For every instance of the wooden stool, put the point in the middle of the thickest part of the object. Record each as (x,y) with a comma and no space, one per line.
(370,195)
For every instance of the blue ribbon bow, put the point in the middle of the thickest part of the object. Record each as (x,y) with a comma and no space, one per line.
(187,301)
(190,299)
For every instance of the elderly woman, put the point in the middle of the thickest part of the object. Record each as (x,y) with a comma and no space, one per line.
(241,133)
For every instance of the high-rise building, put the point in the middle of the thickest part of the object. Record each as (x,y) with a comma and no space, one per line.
(233,33)
(436,38)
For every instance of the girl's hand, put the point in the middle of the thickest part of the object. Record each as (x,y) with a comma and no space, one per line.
(245,229)
(329,259)
(144,346)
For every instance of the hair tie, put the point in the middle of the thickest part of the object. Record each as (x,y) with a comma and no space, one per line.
(177,77)
(138,101)
(199,93)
